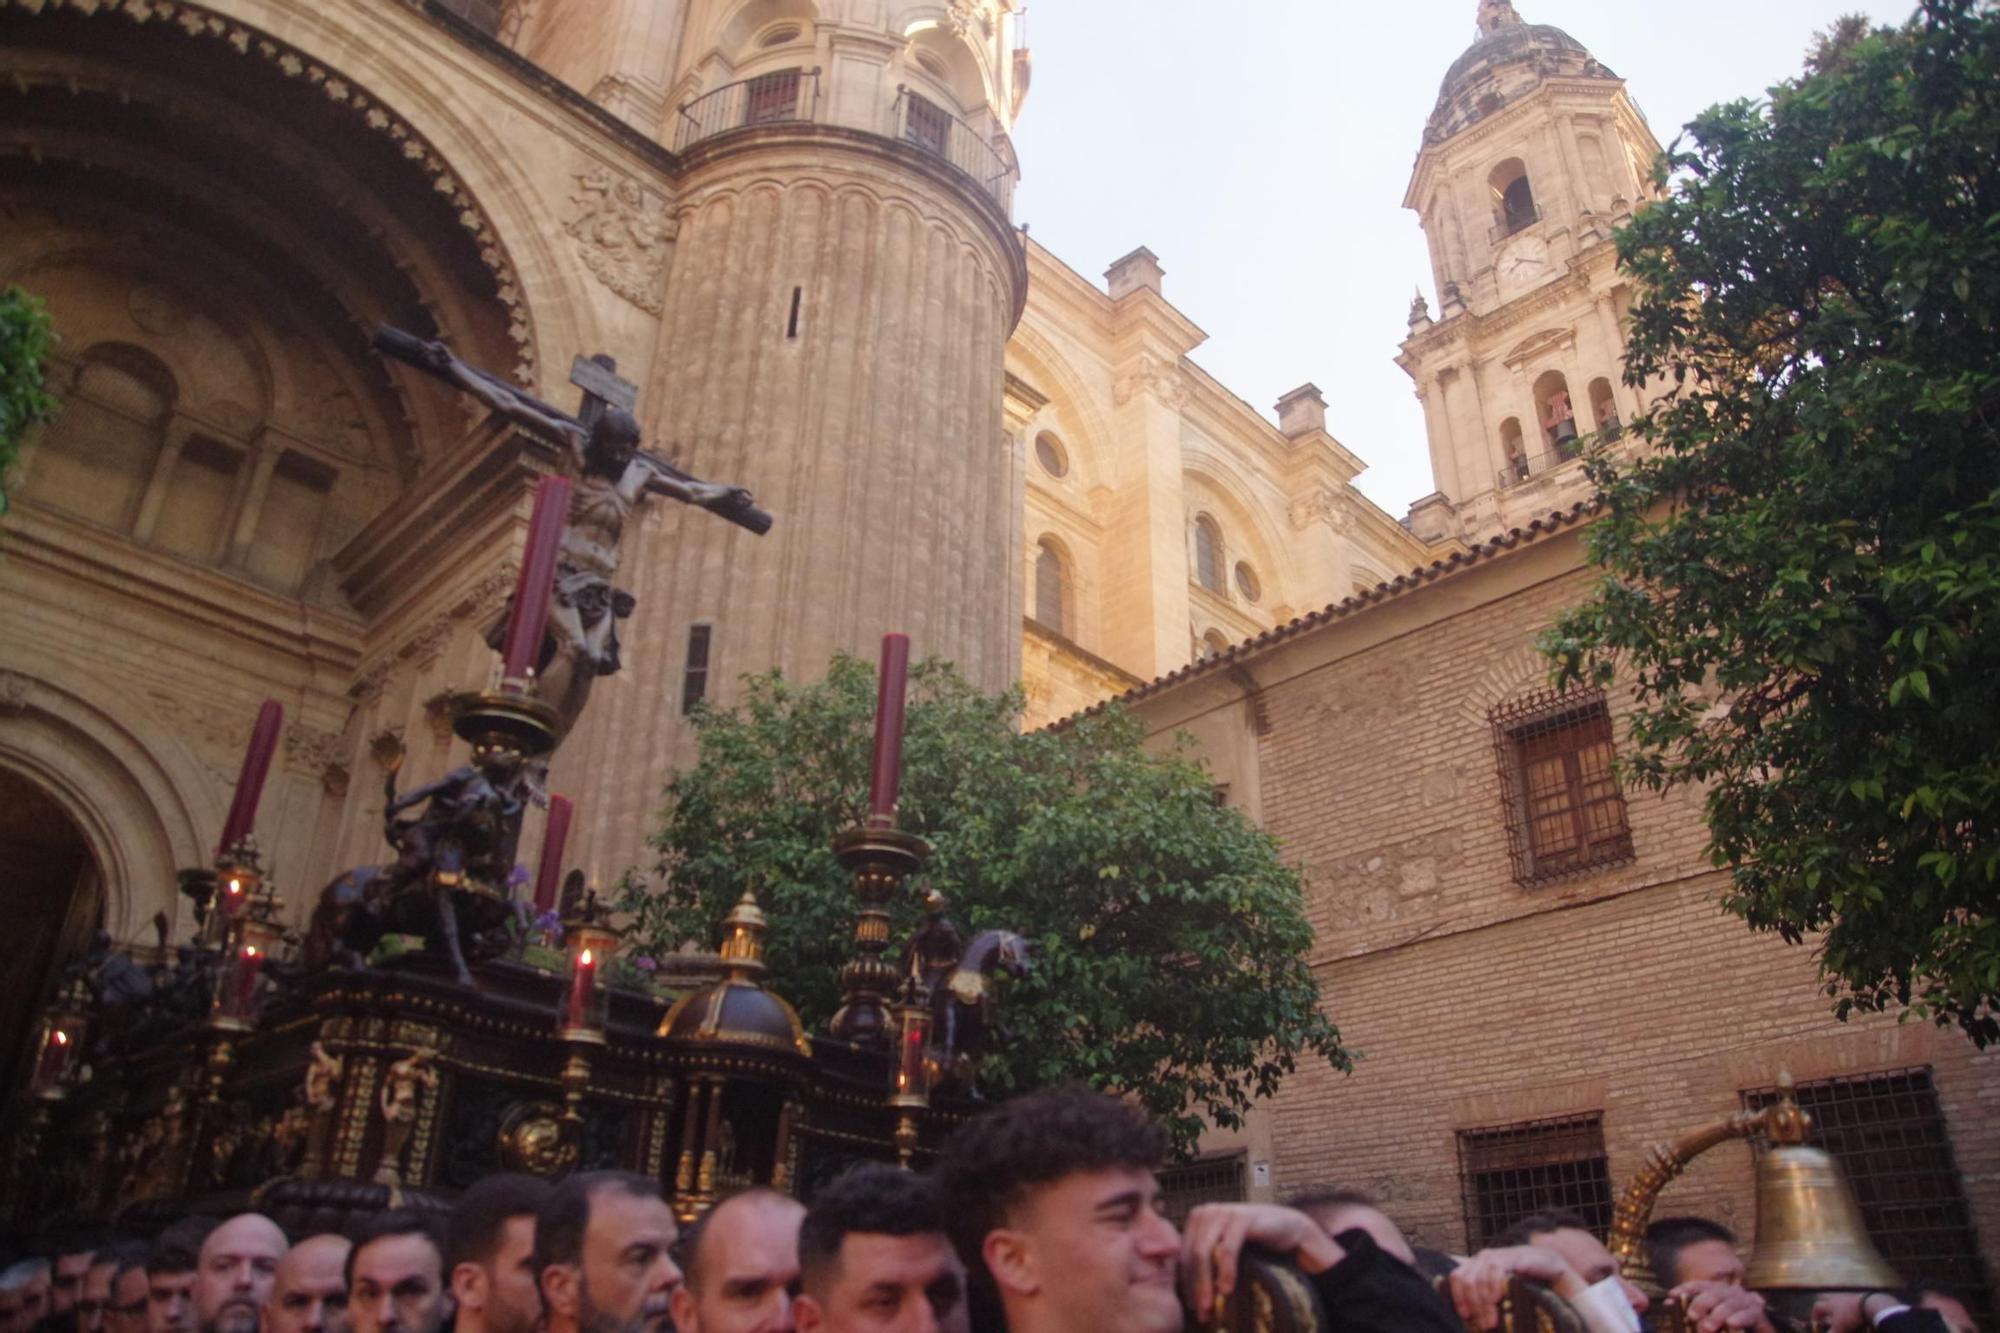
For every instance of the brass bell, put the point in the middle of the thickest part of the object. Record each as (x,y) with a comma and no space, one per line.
(1810,1236)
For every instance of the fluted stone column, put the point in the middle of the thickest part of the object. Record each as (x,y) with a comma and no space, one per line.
(873,430)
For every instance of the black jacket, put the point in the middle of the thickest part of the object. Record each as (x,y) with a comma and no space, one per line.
(1371,1290)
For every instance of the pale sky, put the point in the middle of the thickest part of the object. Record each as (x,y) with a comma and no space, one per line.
(1261,148)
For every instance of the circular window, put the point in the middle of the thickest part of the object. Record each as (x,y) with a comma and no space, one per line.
(1246,582)
(779,36)
(1049,453)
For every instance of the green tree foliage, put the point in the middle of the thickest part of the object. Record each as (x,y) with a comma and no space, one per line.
(25,338)
(1171,945)
(1803,573)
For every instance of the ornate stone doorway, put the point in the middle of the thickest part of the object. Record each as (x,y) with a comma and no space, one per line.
(51,896)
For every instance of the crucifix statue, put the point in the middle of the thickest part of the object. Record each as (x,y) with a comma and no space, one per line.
(613,475)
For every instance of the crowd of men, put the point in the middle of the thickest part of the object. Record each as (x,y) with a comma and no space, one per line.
(1042,1216)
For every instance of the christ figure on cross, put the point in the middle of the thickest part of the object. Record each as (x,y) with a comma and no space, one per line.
(614,476)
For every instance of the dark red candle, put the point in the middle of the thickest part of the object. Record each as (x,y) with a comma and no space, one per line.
(886,770)
(529,619)
(549,878)
(249,966)
(250,782)
(580,984)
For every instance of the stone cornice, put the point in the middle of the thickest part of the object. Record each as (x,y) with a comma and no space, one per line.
(1471,328)
(198,595)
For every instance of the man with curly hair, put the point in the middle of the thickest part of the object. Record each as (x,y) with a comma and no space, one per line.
(1052,1203)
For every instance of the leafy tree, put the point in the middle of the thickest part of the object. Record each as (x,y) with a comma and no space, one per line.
(1170,940)
(25,338)
(1802,574)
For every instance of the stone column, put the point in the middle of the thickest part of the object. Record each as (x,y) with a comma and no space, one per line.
(154,497)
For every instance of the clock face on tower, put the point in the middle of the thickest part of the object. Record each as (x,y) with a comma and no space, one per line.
(1521,264)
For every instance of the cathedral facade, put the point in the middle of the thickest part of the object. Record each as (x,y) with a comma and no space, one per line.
(784,229)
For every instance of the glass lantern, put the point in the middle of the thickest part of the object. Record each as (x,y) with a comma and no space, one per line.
(60,1043)
(910,1070)
(587,1001)
(239,979)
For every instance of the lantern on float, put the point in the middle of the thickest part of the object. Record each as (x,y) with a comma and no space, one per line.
(593,944)
(59,1043)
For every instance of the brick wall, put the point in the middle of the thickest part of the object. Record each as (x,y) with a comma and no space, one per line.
(1472,1001)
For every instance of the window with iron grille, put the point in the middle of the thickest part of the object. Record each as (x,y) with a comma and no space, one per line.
(1213,1180)
(1888,1133)
(1564,810)
(928,125)
(1535,1166)
(773,97)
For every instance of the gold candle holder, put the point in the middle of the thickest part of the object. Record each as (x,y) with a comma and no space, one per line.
(880,859)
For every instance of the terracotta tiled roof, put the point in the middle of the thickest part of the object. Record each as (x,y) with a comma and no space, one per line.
(1555,521)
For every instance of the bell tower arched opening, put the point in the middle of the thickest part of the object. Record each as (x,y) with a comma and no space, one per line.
(1556,414)
(1513,197)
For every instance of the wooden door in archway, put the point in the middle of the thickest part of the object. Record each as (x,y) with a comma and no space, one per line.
(51,899)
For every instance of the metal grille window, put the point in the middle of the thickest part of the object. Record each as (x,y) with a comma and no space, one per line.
(694,682)
(1888,1133)
(1535,1166)
(1564,810)
(772,97)
(1216,1180)
(929,125)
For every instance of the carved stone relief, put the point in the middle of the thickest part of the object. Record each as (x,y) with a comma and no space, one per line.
(621,236)
(1152,377)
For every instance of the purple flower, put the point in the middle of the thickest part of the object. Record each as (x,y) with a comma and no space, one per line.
(645,964)
(517,876)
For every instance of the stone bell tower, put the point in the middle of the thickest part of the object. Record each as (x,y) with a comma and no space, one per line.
(1533,154)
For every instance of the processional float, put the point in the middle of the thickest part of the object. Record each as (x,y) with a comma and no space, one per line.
(427,1030)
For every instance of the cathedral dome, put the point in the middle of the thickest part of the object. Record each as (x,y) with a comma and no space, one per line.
(1509,59)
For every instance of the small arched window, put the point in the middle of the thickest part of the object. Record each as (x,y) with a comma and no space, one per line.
(1208,554)
(1513,197)
(1604,409)
(1513,452)
(1213,643)
(1050,578)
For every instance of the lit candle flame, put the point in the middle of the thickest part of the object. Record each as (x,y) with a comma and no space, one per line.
(62,1038)
(249,951)
(236,886)
(584,958)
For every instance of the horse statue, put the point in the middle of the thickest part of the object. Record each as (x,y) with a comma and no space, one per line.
(965,1010)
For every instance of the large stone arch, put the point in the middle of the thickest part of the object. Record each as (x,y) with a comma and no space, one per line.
(140,798)
(307,62)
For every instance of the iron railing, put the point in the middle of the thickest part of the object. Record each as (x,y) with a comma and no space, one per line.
(930,127)
(792,95)
(784,95)
(1520,469)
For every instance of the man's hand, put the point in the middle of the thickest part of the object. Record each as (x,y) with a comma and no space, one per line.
(1214,1237)
(1479,1284)
(1714,1306)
